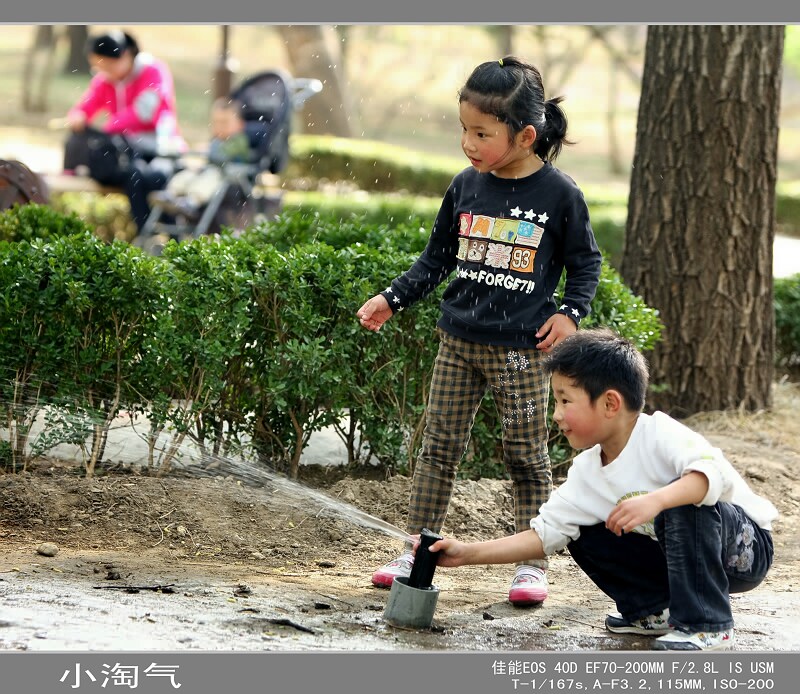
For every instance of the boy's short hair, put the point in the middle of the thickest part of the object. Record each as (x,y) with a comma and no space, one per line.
(224,103)
(597,360)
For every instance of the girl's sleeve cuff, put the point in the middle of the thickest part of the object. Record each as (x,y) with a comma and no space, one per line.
(393,299)
(572,312)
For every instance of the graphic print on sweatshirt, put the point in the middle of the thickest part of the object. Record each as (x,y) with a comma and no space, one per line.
(500,242)
(648,527)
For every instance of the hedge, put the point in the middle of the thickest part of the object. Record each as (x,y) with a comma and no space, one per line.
(608,220)
(378,167)
(787,321)
(391,182)
(247,343)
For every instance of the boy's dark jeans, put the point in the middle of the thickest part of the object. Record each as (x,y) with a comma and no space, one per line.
(703,554)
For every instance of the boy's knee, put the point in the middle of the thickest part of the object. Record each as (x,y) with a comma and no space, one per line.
(591,536)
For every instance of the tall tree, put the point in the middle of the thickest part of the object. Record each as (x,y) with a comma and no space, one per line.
(701,212)
(504,35)
(37,73)
(624,48)
(311,54)
(77,62)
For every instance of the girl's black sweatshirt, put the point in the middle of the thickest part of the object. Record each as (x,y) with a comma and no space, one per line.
(508,240)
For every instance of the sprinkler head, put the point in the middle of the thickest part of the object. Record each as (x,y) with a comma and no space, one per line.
(412,599)
(424,561)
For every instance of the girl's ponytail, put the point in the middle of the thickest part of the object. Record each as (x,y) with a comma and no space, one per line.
(553,134)
(132,44)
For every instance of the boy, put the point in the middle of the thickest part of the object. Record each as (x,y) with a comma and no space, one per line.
(652,513)
(190,189)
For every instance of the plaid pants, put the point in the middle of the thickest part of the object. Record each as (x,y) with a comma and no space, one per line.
(462,373)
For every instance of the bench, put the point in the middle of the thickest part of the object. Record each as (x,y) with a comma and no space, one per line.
(58,183)
(62,183)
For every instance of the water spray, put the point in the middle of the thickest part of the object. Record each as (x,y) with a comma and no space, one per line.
(412,599)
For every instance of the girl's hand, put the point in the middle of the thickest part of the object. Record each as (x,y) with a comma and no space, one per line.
(555,330)
(76,121)
(631,513)
(373,314)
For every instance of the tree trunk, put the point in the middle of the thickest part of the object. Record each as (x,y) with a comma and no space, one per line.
(77,62)
(614,157)
(701,212)
(37,71)
(309,55)
(504,34)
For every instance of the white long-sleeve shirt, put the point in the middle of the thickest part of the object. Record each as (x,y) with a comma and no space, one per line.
(659,451)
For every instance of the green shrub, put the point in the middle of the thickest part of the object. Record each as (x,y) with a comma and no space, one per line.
(108,214)
(788,207)
(76,311)
(617,307)
(6,457)
(376,166)
(370,165)
(306,215)
(108,295)
(235,339)
(608,224)
(787,321)
(32,221)
(294,228)
(186,363)
(380,252)
(390,370)
(30,342)
(369,207)
(69,213)
(304,350)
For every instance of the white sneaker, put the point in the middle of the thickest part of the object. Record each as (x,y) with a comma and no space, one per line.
(701,641)
(529,586)
(651,625)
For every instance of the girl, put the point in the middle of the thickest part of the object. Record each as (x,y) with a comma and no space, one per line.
(508,225)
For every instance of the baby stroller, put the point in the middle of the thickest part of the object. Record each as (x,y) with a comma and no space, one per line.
(268,100)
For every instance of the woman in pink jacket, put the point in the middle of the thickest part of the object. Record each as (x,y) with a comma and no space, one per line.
(135,92)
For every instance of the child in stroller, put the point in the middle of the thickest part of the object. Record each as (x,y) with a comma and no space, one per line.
(250,131)
(190,189)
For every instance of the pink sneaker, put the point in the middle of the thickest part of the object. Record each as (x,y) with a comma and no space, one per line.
(529,586)
(401,566)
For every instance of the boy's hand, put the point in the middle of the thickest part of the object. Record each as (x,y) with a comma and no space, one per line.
(374,313)
(631,513)
(555,330)
(689,489)
(451,552)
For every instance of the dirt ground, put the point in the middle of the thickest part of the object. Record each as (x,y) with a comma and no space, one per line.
(214,564)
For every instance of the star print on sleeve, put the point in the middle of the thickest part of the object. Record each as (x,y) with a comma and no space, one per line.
(573,313)
(516,212)
(530,214)
(543,218)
